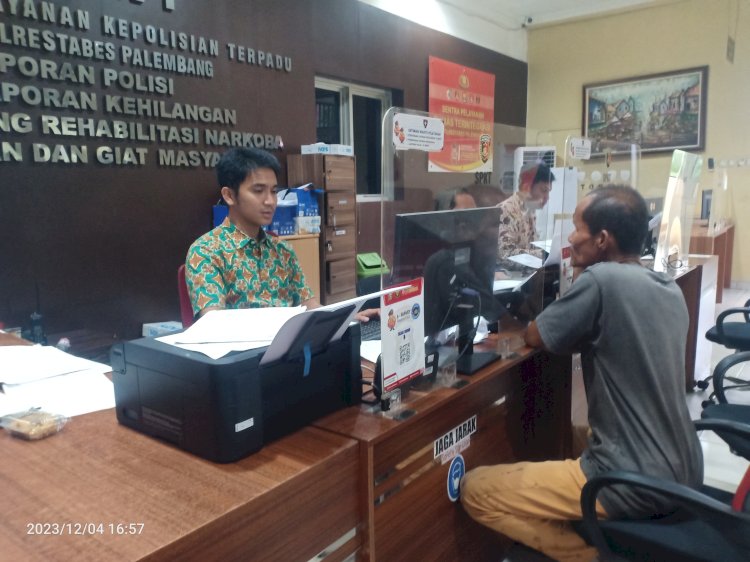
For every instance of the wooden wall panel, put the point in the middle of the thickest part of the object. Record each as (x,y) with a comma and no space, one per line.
(101,243)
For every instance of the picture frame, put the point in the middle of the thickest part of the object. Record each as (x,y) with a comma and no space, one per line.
(660,112)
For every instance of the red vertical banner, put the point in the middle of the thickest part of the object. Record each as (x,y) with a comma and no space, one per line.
(465,99)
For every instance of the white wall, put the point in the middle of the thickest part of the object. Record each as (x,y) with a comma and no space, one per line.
(462,23)
(685,34)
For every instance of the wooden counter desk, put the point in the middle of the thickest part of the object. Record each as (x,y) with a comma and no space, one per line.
(289,501)
(522,407)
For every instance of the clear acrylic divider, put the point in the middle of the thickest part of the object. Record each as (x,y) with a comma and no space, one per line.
(589,164)
(720,215)
(441,221)
(679,207)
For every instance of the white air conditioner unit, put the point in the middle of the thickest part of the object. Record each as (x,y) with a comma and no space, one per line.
(530,155)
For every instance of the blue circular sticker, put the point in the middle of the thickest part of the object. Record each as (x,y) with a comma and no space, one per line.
(455,473)
(415,311)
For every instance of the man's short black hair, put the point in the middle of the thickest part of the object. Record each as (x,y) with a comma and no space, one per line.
(236,163)
(536,172)
(459,191)
(621,211)
(543,174)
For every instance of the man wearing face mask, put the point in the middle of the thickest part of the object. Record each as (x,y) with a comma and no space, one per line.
(517,213)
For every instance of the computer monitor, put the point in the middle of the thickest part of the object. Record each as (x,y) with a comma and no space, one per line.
(455,252)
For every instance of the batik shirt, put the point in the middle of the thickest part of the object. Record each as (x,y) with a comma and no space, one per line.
(226,268)
(517,229)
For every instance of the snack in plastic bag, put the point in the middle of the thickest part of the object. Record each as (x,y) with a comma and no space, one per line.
(33,424)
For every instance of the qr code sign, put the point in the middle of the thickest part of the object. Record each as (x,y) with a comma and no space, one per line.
(404,354)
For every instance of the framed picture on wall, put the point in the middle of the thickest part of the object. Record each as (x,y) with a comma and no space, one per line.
(660,112)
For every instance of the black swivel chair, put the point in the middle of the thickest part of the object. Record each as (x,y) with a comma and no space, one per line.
(725,387)
(734,335)
(708,525)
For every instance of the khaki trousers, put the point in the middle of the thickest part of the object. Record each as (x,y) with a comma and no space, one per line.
(531,503)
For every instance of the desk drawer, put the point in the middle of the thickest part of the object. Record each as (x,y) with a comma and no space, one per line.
(340,208)
(341,276)
(339,173)
(340,240)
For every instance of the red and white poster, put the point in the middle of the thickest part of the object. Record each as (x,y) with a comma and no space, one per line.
(465,99)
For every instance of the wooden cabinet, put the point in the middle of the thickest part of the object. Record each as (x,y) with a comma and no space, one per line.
(307,248)
(335,175)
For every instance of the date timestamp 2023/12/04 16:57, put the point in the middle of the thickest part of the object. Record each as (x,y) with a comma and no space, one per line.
(84,528)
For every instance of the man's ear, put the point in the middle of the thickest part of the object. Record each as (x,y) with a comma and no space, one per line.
(228,195)
(606,242)
(601,240)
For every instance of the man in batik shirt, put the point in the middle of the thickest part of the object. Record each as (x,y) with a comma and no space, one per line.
(518,212)
(238,265)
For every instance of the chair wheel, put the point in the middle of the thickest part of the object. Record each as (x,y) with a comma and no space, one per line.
(703,385)
(706,403)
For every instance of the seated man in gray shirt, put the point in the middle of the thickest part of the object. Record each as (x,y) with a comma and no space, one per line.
(630,324)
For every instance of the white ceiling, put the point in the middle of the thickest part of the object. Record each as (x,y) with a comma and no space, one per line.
(516,14)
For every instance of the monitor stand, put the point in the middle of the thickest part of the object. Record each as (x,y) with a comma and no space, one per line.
(470,362)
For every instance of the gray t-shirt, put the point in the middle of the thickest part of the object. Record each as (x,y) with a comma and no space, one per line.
(630,325)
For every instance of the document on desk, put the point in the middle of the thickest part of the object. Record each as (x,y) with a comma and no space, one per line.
(240,325)
(72,394)
(543,244)
(527,260)
(554,253)
(220,332)
(26,363)
(36,376)
(289,332)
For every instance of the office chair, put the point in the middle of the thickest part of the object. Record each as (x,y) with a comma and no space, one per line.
(186,307)
(734,335)
(707,525)
(725,388)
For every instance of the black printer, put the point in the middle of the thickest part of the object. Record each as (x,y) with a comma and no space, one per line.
(228,408)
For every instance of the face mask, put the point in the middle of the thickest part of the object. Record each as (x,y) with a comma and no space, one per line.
(533,204)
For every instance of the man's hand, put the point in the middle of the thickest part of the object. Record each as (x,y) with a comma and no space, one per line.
(365,315)
(310,304)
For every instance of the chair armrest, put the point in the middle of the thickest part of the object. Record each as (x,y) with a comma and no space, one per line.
(729,311)
(681,495)
(721,369)
(740,429)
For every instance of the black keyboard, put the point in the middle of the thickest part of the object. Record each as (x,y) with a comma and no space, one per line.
(370,330)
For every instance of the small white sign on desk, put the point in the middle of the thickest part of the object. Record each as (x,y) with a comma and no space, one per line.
(402,334)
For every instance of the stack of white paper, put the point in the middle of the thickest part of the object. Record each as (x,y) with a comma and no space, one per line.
(220,332)
(50,379)
(527,260)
